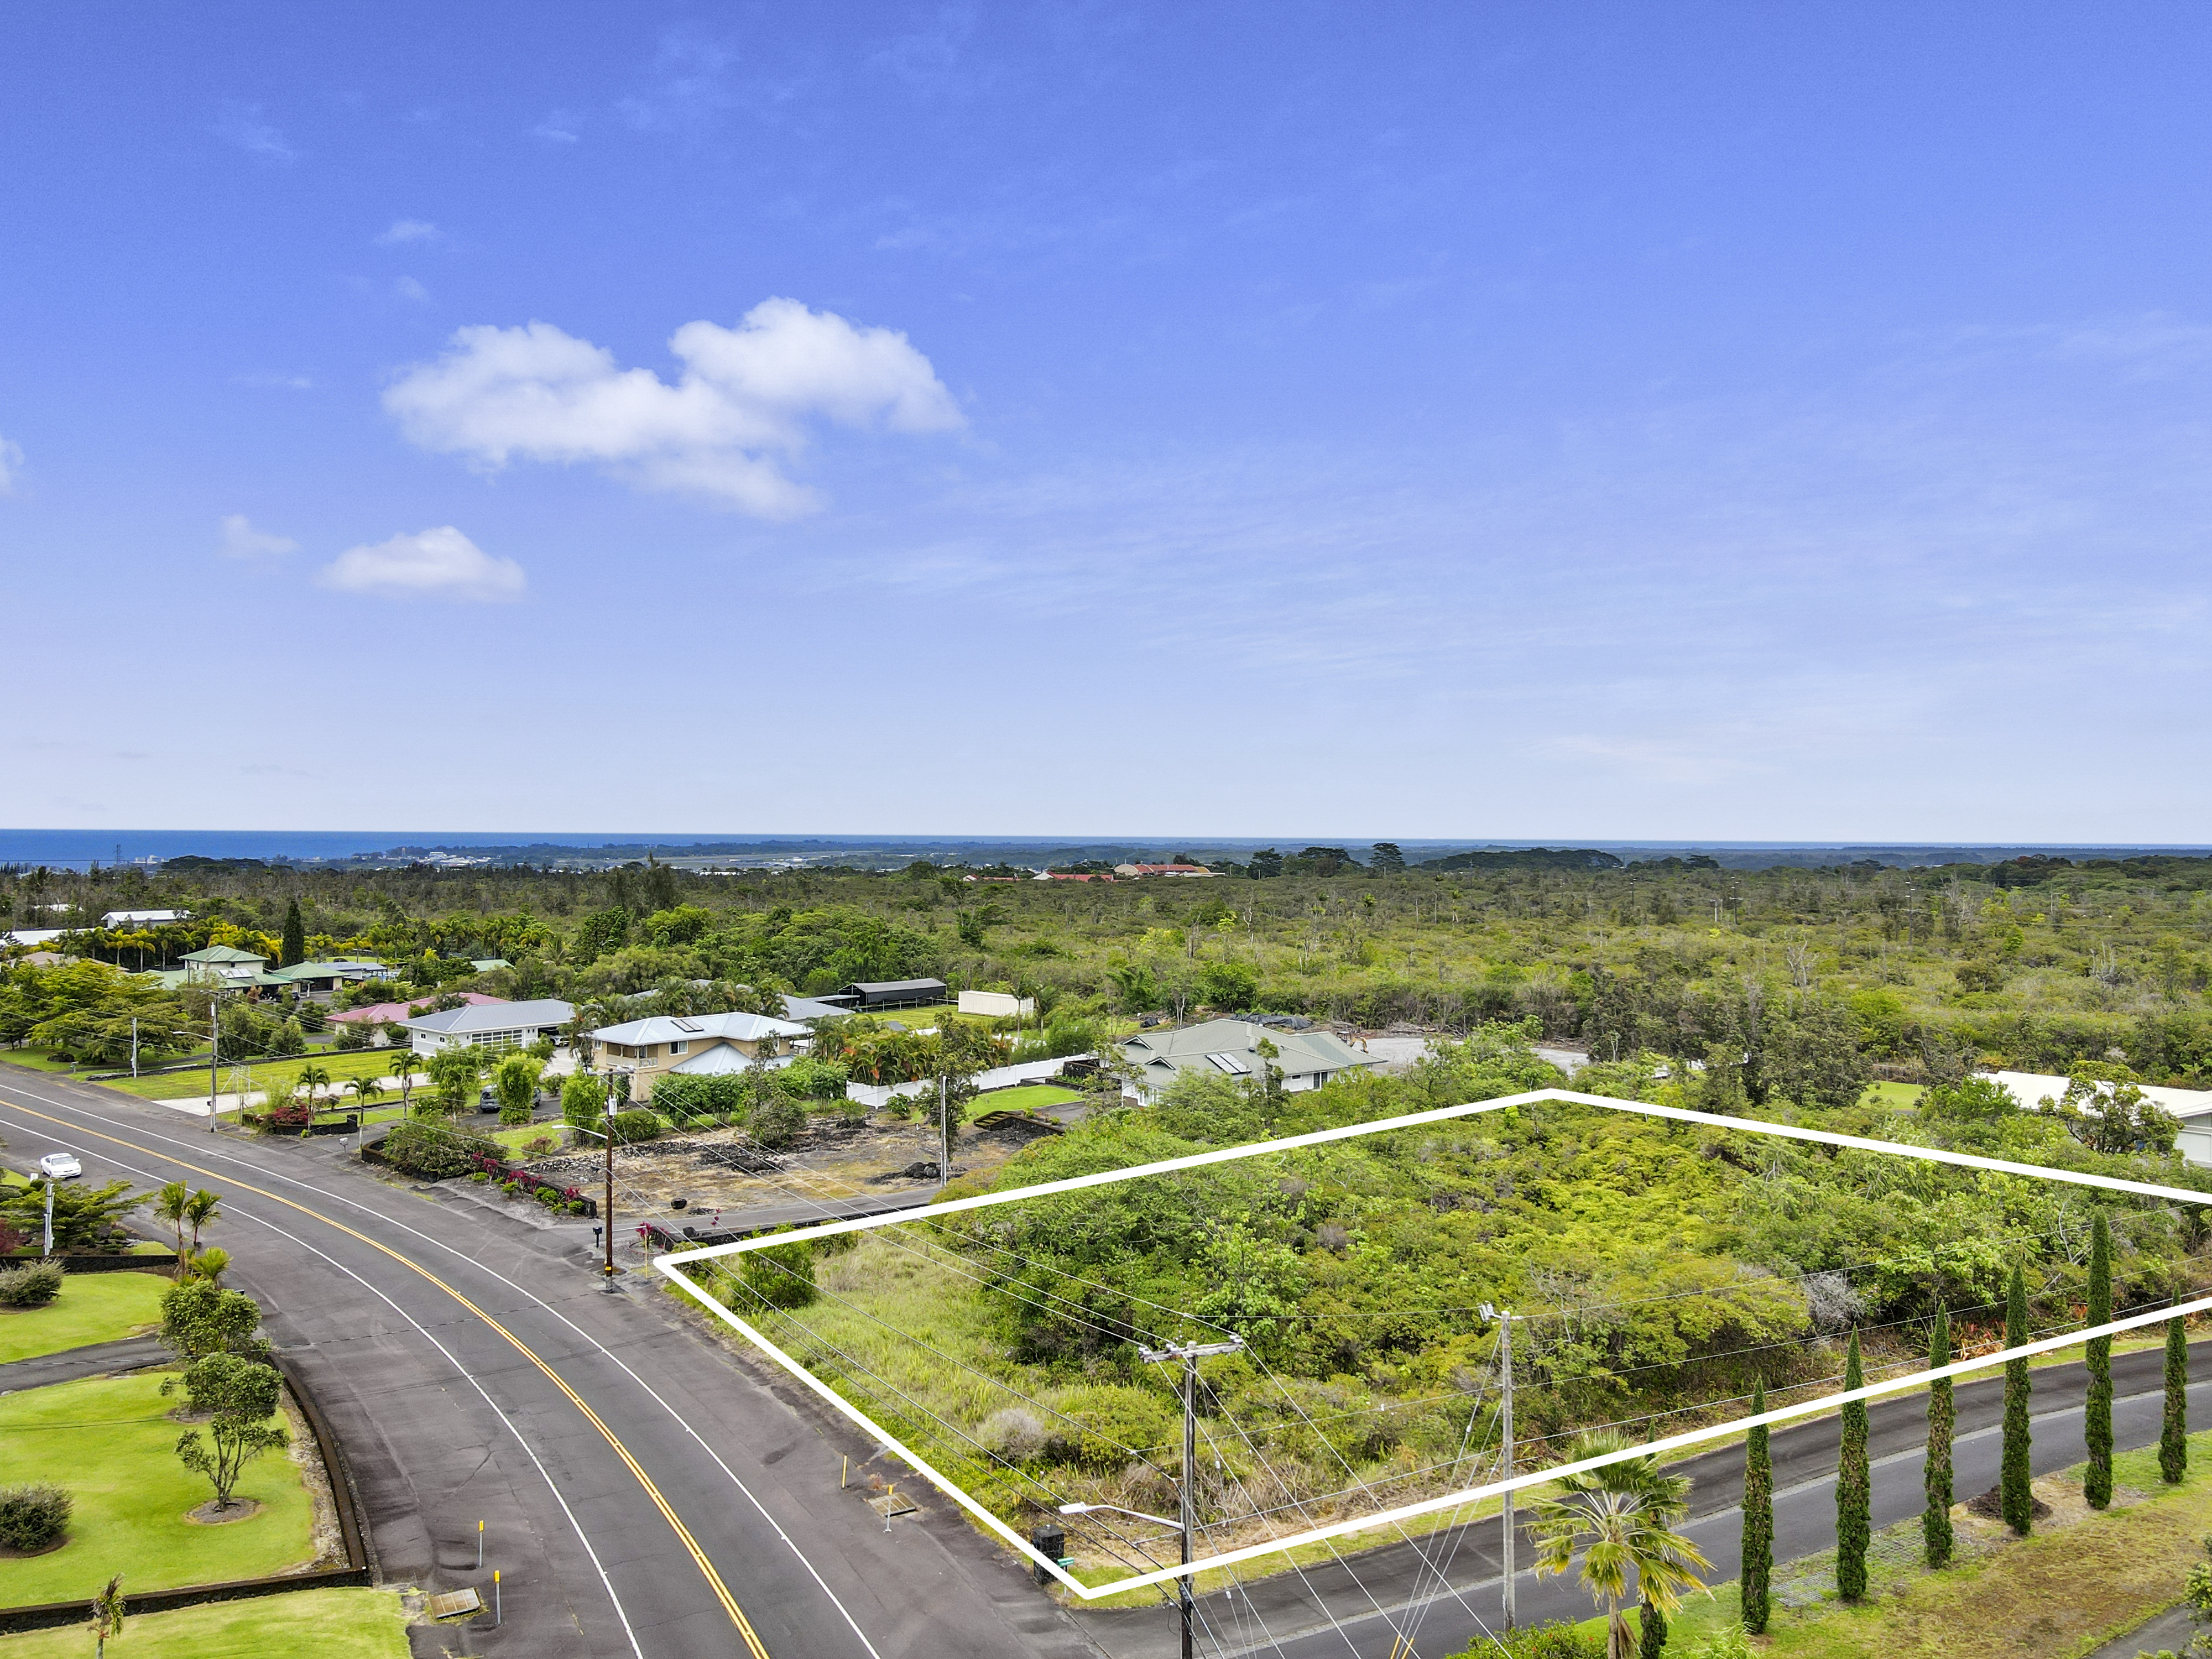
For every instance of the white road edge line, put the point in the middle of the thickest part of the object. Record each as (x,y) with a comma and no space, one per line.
(791,1544)
(582,1537)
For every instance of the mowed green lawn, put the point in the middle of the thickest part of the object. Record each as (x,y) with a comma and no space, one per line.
(282,1075)
(1032,1097)
(92,1307)
(111,1444)
(319,1624)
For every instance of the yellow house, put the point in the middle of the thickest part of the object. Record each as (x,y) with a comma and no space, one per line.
(692,1044)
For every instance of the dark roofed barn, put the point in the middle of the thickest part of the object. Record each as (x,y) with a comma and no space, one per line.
(896,993)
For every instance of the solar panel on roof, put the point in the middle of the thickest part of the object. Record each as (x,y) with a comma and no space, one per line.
(688,1025)
(1232,1064)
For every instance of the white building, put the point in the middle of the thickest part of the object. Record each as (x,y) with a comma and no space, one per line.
(2191,1107)
(489,1025)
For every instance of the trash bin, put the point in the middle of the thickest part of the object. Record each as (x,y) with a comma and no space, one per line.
(1051,1541)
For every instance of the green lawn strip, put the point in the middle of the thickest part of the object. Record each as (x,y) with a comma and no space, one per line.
(317,1624)
(1894,1095)
(112,1445)
(514,1139)
(2058,1594)
(1030,1097)
(283,1075)
(35,1059)
(92,1307)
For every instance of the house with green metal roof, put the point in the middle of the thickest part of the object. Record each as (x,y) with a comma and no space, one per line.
(317,979)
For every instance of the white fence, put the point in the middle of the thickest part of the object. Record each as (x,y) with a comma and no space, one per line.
(875,1095)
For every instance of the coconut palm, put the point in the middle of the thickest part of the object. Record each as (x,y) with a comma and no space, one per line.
(172,1205)
(1620,1519)
(364,1090)
(314,1079)
(403,1067)
(202,1207)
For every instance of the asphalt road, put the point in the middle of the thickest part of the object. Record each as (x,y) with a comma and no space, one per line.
(641,1494)
(1397,1592)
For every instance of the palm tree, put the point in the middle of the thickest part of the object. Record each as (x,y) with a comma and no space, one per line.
(364,1090)
(172,1204)
(211,1264)
(313,1079)
(107,1616)
(1620,1518)
(403,1067)
(203,1208)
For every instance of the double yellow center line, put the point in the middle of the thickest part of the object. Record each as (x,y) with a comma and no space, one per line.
(683,1533)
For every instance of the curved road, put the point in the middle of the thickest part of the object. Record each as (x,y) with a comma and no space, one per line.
(641,1495)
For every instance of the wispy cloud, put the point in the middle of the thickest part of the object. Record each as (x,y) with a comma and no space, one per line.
(244,125)
(408,230)
(558,128)
(241,540)
(436,564)
(278,382)
(688,92)
(747,398)
(11,462)
(408,288)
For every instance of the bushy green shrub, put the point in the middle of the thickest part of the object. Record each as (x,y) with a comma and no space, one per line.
(1552,1641)
(782,1275)
(514,1114)
(1118,1421)
(776,1122)
(32,1517)
(31,1285)
(353,1036)
(312,1016)
(583,1099)
(810,1079)
(636,1124)
(433,1152)
(690,1099)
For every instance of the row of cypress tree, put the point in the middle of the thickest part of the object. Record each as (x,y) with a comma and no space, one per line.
(1854,1489)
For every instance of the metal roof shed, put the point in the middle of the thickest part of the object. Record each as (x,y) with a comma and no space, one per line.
(896,993)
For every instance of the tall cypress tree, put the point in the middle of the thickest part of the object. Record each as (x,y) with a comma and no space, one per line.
(2017,1502)
(1757,1519)
(2097,1421)
(1651,1644)
(294,948)
(1853,1486)
(2173,1437)
(1935,1477)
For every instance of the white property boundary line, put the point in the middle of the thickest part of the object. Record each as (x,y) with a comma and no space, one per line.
(672,1265)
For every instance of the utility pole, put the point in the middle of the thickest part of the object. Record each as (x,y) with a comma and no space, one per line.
(214,1048)
(607,1204)
(134,1041)
(943,1135)
(1188,1354)
(50,1217)
(1505,1434)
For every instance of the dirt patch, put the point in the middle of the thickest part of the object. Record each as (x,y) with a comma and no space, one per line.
(722,1170)
(1989,1505)
(238,1509)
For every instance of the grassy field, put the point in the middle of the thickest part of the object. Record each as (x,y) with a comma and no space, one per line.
(1894,1095)
(1030,1097)
(521,1134)
(283,1075)
(113,1444)
(37,1060)
(321,1623)
(92,1307)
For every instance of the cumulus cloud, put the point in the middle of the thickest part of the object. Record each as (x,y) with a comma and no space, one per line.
(242,125)
(11,462)
(241,540)
(439,564)
(408,230)
(745,397)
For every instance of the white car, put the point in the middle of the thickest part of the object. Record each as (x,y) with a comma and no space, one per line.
(61,1166)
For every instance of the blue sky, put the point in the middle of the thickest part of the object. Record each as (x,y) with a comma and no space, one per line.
(1517,421)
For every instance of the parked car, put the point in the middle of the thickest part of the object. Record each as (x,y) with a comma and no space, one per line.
(61,1166)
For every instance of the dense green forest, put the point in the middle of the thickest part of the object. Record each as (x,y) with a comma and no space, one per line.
(2036,962)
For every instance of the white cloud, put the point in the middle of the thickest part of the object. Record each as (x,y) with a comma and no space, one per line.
(408,288)
(242,125)
(11,462)
(408,230)
(555,128)
(746,394)
(241,540)
(440,564)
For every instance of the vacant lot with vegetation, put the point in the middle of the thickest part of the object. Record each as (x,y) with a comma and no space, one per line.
(92,1307)
(111,1442)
